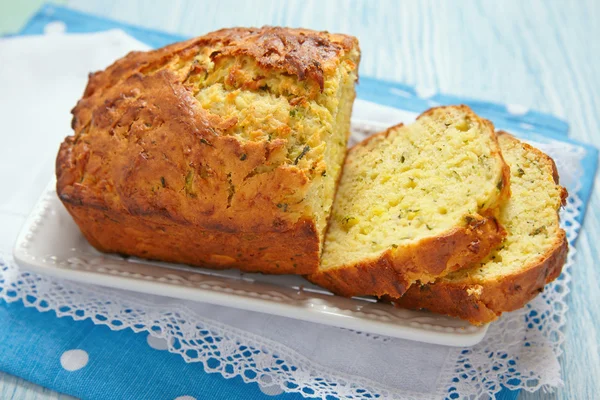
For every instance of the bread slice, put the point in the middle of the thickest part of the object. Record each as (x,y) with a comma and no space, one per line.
(531,256)
(221,151)
(414,203)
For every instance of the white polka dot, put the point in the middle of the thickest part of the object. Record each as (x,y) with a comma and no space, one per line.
(273,390)
(425,92)
(55,27)
(516,109)
(157,343)
(184,398)
(265,385)
(72,360)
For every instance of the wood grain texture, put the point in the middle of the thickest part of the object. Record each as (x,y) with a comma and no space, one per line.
(540,54)
(13,388)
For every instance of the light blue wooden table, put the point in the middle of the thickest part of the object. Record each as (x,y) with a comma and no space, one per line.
(541,54)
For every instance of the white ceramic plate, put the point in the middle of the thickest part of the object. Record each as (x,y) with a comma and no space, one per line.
(50,243)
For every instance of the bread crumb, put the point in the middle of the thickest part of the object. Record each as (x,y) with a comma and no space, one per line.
(475,290)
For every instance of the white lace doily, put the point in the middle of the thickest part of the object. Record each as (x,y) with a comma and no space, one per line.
(520,350)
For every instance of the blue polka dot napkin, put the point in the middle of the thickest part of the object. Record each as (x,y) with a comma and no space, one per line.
(92,362)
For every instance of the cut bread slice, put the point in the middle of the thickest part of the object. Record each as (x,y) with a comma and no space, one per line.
(531,256)
(414,203)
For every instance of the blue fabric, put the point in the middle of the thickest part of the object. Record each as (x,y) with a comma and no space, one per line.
(121,364)
(406,97)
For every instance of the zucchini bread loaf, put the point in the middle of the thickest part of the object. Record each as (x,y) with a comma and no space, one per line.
(415,203)
(220,151)
(531,256)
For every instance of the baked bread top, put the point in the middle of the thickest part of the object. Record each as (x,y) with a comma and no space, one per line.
(238,131)
(531,255)
(414,203)
(300,54)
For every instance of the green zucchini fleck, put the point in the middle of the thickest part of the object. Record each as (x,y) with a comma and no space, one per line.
(206,142)
(302,154)
(537,231)
(189,184)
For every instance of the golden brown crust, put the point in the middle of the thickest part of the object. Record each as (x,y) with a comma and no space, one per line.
(304,53)
(158,237)
(147,155)
(480,303)
(299,52)
(393,272)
